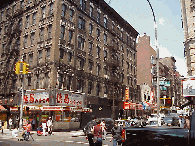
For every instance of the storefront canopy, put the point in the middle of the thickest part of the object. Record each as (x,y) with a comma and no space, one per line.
(2,108)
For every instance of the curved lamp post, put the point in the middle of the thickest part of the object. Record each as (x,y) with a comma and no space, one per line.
(157,51)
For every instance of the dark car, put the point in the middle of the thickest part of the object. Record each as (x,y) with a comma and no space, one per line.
(109,124)
(170,121)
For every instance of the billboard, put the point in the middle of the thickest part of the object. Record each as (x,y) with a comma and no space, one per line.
(127,93)
(188,87)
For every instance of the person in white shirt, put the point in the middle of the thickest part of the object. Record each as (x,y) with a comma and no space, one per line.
(103,125)
(49,124)
(10,123)
(44,127)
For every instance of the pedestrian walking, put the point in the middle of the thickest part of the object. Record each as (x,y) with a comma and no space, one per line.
(49,124)
(187,122)
(97,131)
(33,124)
(89,133)
(116,135)
(44,127)
(10,123)
(181,121)
(103,125)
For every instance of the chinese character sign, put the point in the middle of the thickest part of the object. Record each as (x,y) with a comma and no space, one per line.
(36,98)
(127,94)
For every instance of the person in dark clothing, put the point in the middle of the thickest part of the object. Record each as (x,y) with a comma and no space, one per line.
(116,135)
(89,134)
(97,131)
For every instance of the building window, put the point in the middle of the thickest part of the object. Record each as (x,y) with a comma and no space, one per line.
(131,81)
(90,28)
(43,12)
(90,87)
(27,21)
(69,82)
(81,23)
(20,24)
(97,89)
(81,63)
(90,66)
(134,55)
(25,41)
(22,4)
(81,43)
(48,54)
(98,32)
(80,85)
(128,80)
(121,35)
(69,56)
(41,34)
(50,31)
(131,67)
(62,32)
(32,38)
(34,19)
(63,10)
(61,53)
(98,17)
(91,11)
(98,52)
(98,70)
(105,38)
(29,81)
(105,70)
(40,56)
(127,40)
(83,4)
(70,35)
(1,15)
(105,22)
(51,9)
(105,89)
(90,47)
(71,15)
(18,44)
(31,58)
(105,53)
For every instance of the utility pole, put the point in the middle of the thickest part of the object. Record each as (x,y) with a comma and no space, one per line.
(157,51)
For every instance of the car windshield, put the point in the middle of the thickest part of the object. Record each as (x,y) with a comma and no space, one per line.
(167,119)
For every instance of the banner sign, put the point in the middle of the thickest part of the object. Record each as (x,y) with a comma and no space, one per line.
(127,93)
(69,99)
(126,105)
(36,98)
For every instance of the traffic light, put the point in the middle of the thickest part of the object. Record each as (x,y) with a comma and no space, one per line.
(25,68)
(17,68)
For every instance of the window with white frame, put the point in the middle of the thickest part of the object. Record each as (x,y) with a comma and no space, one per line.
(43,12)
(63,10)
(81,24)
(32,38)
(81,43)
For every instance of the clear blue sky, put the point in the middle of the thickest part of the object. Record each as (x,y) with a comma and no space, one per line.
(169,25)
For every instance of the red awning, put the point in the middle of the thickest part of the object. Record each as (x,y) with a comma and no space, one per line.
(2,108)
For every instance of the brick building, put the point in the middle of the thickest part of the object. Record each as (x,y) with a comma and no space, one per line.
(79,47)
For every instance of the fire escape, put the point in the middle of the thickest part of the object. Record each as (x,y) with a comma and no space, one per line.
(9,56)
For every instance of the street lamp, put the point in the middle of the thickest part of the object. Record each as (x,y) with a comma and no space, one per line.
(157,51)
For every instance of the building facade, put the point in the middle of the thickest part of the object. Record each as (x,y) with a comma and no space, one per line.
(79,46)
(188,24)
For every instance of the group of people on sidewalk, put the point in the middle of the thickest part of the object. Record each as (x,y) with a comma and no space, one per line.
(96,134)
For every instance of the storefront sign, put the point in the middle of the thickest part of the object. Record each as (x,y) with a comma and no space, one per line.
(69,99)
(127,94)
(52,108)
(126,106)
(132,105)
(36,98)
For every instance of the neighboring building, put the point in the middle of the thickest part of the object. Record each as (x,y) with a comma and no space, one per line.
(74,47)
(188,24)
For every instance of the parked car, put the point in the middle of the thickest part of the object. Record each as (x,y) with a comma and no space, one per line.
(170,121)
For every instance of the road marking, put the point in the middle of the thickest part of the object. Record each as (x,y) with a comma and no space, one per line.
(68,141)
(80,142)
